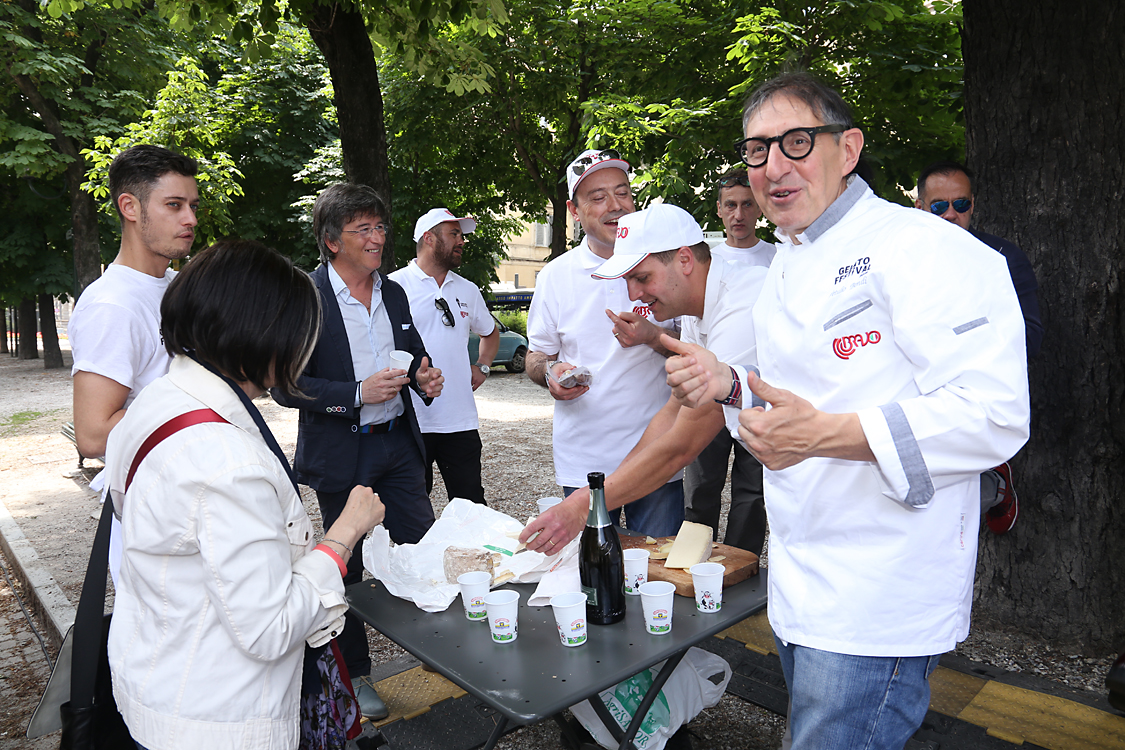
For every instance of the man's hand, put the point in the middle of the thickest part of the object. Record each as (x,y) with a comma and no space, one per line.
(695,374)
(631,329)
(558,525)
(382,386)
(558,392)
(478,377)
(793,430)
(430,379)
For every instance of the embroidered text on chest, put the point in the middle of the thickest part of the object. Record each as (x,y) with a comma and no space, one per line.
(858,268)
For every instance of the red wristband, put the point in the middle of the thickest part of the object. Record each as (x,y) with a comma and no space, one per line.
(335,557)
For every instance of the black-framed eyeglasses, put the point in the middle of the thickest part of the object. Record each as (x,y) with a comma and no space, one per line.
(581,165)
(446,313)
(366,232)
(795,144)
(734,179)
(961,205)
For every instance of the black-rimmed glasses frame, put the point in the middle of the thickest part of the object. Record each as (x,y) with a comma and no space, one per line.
(790,151)
(446,314)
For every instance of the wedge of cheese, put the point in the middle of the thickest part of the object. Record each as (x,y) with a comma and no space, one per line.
(692,545)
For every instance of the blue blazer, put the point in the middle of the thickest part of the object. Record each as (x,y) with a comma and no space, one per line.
(328,427)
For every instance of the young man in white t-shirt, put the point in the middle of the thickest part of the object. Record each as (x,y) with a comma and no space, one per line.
(705,477)
(445,307)
(114,331)
(577,320)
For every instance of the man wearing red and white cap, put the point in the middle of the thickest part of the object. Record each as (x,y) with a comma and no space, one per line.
(445,307)
(576,320)
(661,256)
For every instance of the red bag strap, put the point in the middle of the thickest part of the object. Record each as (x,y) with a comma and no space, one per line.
(169,428)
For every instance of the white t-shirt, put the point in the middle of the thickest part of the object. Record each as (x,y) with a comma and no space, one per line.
(114,330)
(760,254)
(595,431)
(913,324)
(727,325)
(455,410)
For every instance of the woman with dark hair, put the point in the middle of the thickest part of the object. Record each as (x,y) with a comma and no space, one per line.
(221,584)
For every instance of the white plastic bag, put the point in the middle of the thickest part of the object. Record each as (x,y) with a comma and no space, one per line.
(415,572)
(698,682)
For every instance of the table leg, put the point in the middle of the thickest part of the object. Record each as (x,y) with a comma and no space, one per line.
(648,700)
(497,733)
(606,717)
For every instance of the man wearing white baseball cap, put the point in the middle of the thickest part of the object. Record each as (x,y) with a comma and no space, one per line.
(666,264)
(576,320)
(445,307)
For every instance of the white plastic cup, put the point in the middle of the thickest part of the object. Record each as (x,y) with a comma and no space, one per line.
(401,360)
(548,502)
(708,580)
(656,598)
(636,570)
(474,587)
(570,616)
(503,608)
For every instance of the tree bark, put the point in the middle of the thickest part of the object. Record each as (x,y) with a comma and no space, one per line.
(83,211)
(4,329)
(341,35)
(1044,100)
(29,342)
(52,353)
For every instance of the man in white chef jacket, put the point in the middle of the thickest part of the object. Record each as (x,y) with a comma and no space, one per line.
(892,373)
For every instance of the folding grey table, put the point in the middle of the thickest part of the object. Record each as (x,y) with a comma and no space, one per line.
(536,677)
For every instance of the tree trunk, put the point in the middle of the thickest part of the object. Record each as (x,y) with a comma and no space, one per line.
(4,329)
(341,36)
(1044,101)
(52,354)
(559,222)
(29,342)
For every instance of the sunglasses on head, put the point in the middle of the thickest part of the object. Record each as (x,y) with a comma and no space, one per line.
(736,179)
(961,205)
(581,165)
(446,313)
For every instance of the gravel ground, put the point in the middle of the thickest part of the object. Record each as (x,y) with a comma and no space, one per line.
(516,432)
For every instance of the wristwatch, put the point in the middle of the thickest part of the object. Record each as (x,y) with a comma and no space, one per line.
(483,368)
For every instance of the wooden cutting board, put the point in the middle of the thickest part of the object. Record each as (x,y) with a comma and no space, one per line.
(739,564)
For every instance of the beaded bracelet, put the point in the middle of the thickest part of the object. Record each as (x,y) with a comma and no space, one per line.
(349,549)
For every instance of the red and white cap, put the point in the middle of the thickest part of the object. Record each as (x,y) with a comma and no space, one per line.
(436,216)
(654,230)
(591,161)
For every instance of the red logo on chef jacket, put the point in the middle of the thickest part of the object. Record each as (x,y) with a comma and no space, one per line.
(642,310)
(846,346)
(622,232)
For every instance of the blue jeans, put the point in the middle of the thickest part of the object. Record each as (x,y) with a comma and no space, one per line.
(658,513)
(844,702)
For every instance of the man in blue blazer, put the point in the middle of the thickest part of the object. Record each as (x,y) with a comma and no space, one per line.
(355,427)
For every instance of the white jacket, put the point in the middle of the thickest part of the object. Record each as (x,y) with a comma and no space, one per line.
(219,588)
(912,323)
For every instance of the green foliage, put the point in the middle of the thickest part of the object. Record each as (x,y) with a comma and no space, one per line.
(516,320)
(34,251)
(897,63)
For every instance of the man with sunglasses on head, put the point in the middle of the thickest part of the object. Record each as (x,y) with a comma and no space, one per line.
(945,189)
(576,320)
(445,308)
(355,426)
(893,372)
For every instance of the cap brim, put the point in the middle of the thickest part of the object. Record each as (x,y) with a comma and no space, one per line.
(618,266)
(617,163)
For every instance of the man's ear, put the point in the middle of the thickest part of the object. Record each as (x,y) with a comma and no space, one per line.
(129,206)
(853,146)
(685,258)
(918,203)
(573,210)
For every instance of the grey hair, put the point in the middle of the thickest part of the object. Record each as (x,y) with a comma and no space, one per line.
(824,101)
(336,206)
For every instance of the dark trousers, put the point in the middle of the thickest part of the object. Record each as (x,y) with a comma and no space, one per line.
(391,465)
(704,479)
(458,459)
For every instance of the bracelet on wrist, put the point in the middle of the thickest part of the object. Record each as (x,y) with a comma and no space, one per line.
(326,539)
(735,390)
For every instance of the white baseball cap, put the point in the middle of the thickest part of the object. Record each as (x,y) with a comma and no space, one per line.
(436,216)
(654,230)
(591,161)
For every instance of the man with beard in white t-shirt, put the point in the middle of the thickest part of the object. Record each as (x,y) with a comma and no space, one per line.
(705,477)
(114,330)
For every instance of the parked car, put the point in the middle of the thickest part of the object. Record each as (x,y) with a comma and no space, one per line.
(513,348)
